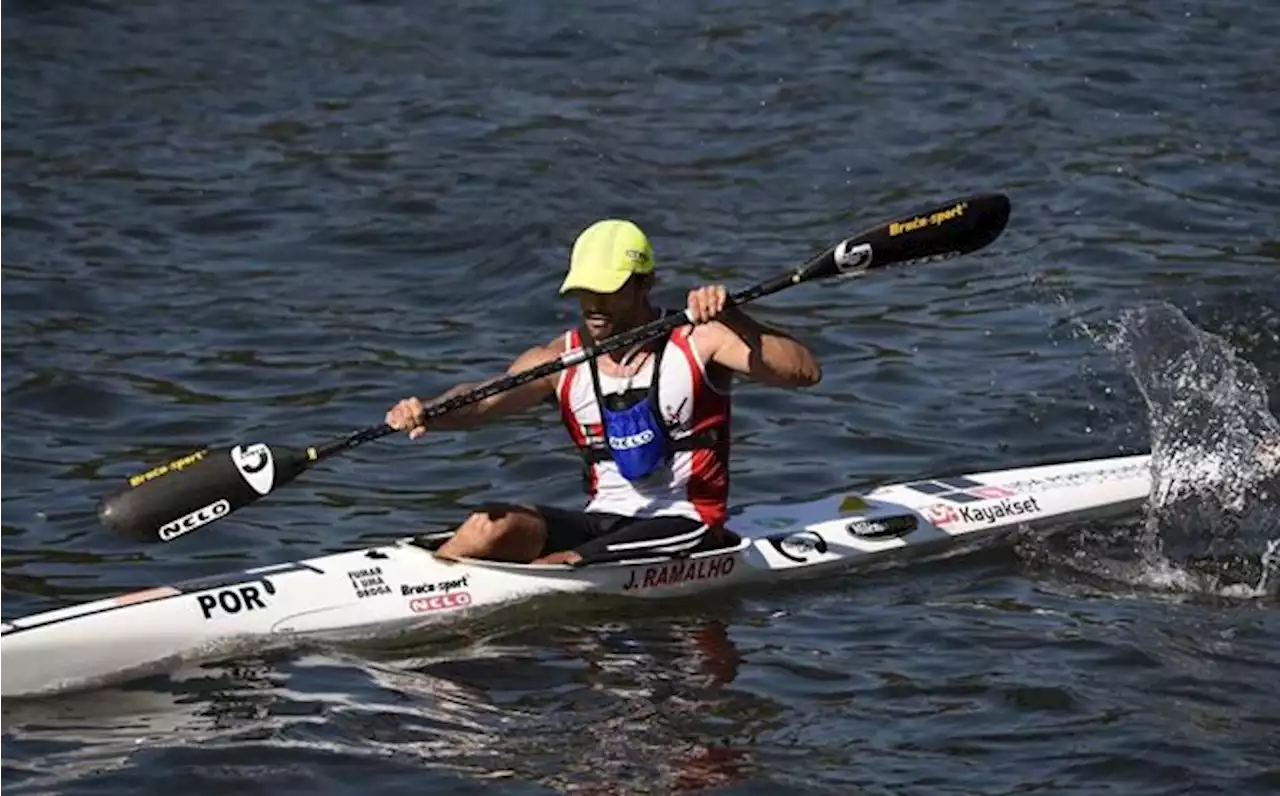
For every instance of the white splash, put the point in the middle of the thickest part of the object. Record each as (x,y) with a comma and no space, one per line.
(1213,521)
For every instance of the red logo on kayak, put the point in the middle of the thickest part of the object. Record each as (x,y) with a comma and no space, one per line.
(440,602)
(941,514)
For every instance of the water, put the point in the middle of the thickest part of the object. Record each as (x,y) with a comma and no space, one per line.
(238,221)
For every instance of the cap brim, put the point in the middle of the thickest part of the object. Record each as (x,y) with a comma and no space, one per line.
(607,282)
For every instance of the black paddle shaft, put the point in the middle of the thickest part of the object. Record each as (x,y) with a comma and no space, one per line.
(176,498)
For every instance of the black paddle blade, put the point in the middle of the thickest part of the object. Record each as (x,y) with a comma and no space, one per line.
(176,498)
(935,233)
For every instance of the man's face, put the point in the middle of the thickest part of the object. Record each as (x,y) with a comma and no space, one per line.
(605,314)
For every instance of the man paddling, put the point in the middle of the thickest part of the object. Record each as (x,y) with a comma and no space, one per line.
(658,461)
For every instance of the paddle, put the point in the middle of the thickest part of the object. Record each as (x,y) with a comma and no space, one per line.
(176,498)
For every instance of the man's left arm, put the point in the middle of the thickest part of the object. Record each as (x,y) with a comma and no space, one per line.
(740,343)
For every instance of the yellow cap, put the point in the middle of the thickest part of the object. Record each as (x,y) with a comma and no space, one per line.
(605,256)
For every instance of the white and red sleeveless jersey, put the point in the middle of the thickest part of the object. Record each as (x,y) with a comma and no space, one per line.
(696,482)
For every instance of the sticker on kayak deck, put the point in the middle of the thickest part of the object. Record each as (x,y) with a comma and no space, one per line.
(440,602)
(959,490)
(441,587)
(876,527)
(1005,509)
(800,545)
(368,582)
(943,514)
(245,597)
(1101,475)
(677,572)
(145,596)
(255,465)
(853,503)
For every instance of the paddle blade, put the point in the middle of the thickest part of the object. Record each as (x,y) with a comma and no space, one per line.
(175,499)
(935,233)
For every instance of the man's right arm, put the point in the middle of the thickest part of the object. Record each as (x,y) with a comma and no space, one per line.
(407,414)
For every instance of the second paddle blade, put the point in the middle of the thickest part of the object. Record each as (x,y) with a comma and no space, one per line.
(949,230)
(175,499)
(935,233)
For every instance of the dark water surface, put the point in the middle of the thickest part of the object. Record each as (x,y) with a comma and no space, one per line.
(230,221)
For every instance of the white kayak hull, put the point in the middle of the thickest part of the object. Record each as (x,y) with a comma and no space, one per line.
(404,586)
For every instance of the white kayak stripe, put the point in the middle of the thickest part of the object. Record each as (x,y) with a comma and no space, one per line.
(694,536)
(679,548)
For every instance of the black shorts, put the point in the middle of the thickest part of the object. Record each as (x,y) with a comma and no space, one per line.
(598,536)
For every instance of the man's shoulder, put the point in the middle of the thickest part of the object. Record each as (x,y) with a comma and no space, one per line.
(706,339)
(550,349)
(538,355)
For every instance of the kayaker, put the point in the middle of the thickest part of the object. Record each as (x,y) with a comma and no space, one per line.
(657,467)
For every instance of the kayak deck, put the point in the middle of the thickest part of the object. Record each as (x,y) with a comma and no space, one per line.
(403,586)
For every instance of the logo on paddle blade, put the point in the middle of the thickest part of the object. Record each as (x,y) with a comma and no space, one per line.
(932,220)
(172,530)
(256,466)
(852,260)
(172,467)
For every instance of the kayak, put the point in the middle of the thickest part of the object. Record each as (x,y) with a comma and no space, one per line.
(403,586)
(406,585)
